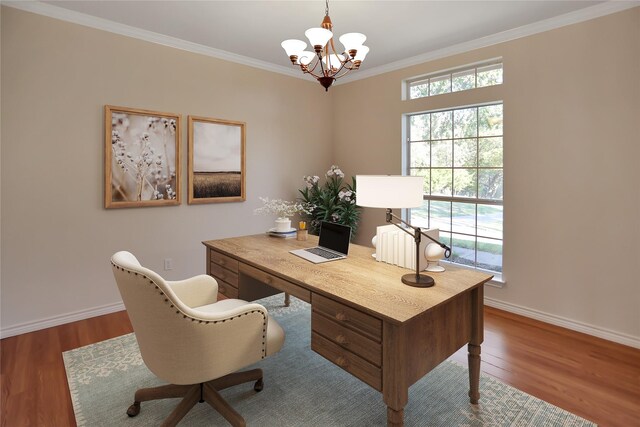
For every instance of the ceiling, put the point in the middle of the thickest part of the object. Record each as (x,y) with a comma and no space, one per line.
(395,30)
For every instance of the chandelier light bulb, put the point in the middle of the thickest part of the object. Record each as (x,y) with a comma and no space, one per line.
(318,36)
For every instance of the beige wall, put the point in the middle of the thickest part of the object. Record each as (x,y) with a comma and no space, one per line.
(572,103)
(571,202)
(56,236)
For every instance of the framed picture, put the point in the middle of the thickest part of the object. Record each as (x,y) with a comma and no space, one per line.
(216,160)
(142,158)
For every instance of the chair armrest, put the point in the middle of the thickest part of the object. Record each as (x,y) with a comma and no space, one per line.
(195,291)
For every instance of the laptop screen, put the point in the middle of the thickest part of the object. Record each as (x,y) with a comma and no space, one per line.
(335,237)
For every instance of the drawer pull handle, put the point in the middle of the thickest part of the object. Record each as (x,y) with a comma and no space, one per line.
(341,339)
(341,316)
(342,362)
(268,280)
(221,262)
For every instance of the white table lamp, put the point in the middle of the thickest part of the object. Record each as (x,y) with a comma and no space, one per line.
(398,192)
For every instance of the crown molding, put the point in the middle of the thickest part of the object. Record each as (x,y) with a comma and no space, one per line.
(67,15)
(570,18)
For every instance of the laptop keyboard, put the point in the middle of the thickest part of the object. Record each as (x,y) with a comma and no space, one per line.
(323,253)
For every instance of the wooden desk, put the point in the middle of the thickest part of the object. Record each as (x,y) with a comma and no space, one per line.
(364,319)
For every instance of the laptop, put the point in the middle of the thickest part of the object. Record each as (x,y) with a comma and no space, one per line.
(333,244)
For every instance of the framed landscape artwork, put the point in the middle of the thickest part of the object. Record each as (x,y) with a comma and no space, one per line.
(142,158)
(216,160)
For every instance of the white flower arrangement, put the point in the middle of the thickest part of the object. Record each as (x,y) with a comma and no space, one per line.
(282,208)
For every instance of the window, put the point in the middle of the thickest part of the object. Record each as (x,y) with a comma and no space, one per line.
(465,78)
(459,153)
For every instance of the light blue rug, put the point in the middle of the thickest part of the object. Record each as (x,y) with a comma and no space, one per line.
(301,388)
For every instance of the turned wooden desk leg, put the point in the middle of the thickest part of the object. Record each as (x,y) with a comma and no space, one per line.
(477,336)
(395,418)
(287,299)
(395,390)
(474,373)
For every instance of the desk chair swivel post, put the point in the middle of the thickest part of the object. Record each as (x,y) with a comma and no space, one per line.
(192,341)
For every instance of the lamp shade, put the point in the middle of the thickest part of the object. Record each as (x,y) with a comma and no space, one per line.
(362,53)
(318,36)
(334,60)
(293,47)
(389,191)
(352,41)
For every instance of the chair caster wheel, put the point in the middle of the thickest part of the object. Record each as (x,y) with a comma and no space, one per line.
(134,409)
(259,385)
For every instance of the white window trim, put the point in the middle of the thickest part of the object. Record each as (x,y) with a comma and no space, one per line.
(407,83)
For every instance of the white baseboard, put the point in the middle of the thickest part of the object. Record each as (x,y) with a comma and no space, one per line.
(36,325)
(574,325)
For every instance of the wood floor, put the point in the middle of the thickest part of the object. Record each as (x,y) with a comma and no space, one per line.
(593,378)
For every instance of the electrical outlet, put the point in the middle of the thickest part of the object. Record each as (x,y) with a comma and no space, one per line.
(168,264)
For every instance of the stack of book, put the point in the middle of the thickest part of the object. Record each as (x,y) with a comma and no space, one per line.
(282,234)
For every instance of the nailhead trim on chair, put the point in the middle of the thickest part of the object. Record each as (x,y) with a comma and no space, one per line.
(206,322)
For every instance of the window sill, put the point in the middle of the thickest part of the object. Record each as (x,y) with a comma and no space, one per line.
(497,281)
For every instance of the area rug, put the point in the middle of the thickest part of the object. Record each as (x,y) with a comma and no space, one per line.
(301,388)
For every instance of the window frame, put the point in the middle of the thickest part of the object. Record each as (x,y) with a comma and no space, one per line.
(476,201)
(438,75)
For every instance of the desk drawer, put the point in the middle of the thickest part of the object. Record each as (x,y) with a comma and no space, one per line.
(349,317)
(347,338)
(225,275)
(226,289)
(355,365)
(276,282)
(224,261)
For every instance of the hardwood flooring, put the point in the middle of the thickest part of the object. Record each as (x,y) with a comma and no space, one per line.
(596,379)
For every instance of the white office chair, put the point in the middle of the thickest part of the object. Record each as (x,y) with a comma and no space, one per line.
(192,341)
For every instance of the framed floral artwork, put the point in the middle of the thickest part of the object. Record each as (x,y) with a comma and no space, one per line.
(216,160)
(142,158)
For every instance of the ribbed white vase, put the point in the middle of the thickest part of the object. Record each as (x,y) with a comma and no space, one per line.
(283,225)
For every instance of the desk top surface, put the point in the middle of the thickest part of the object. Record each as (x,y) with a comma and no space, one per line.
(358,280)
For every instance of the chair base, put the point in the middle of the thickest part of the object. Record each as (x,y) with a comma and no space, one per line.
(198,393)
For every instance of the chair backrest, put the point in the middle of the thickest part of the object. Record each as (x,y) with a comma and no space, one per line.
(174,345)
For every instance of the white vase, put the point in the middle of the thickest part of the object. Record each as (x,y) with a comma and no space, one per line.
(283,225)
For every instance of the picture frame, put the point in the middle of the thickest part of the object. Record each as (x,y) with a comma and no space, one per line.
(142,158)
(216,160)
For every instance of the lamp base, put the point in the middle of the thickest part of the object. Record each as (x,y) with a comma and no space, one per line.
(420,281)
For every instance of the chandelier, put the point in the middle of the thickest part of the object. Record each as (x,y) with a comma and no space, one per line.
(325,63)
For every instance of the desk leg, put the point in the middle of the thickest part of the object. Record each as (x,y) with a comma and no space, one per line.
(287,299)
(395,390)
(477,336)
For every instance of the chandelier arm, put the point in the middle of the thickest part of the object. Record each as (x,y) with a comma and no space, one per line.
(310,71)
(313,74)
(322,70)
(342,66)
(347,70)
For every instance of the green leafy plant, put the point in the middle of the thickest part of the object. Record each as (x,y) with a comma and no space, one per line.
(333,201)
